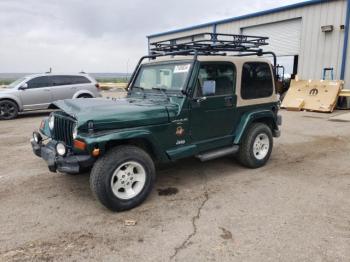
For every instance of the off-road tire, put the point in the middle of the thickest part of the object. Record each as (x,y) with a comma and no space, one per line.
(246,154)
(103,169)
(14,109)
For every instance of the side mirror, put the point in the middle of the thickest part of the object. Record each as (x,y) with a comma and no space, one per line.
(23,86)
(209,88)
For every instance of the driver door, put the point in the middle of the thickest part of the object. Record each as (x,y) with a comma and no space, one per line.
(213,109)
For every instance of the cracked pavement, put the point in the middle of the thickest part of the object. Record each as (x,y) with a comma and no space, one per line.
(187,241)
(297,208)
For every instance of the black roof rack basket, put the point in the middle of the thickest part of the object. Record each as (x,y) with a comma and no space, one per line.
(209,44)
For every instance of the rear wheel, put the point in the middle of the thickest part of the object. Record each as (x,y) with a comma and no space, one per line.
(85,96)
(123,178)
(8,109)
(256,146)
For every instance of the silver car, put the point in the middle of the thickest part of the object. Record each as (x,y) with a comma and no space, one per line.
(38,91)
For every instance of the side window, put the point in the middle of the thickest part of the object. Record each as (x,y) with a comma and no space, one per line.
(80,80)
(41,81)
(60,80)
(220,78)
(69,80)
(257,80)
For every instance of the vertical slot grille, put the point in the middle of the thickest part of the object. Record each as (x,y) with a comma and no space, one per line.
(63,130)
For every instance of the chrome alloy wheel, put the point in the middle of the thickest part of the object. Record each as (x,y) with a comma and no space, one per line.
(261,146)
(128,180)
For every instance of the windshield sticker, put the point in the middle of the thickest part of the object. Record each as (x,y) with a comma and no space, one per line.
(182,68)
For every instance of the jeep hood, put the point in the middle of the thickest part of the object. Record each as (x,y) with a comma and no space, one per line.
(117,113)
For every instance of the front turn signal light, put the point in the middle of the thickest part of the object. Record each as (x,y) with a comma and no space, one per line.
(79,145)
(96,152)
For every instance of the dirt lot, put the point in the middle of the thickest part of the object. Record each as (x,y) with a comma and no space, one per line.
(297,208)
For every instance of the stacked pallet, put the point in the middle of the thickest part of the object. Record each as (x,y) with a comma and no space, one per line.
(313,95)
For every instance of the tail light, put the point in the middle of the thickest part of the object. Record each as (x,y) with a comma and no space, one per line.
(97,86)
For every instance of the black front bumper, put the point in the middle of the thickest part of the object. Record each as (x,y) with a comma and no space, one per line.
(68,164)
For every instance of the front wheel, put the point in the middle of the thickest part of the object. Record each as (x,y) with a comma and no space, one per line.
(8,110)
(123,178)
(256,146)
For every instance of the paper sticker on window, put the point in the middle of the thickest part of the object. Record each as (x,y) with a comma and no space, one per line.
(182,68)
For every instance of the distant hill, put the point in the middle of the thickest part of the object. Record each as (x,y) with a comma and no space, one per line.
(13,76)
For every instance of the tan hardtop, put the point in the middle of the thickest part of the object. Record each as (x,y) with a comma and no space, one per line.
(238,62)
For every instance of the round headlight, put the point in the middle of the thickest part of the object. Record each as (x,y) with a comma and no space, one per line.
(61,149)
(51,122)
(37,137)
(75,132)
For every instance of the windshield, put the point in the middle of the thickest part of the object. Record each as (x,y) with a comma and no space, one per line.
(15,83)
(165,76)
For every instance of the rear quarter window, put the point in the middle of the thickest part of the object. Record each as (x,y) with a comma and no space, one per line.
(257,80)
(81,80)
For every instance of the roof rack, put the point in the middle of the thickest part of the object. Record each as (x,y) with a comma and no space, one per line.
(209,44)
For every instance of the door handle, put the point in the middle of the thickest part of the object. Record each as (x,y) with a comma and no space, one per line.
(201,99)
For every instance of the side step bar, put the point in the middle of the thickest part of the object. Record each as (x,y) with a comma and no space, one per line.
(218,153)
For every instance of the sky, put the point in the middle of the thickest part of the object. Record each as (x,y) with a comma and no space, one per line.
(99,35)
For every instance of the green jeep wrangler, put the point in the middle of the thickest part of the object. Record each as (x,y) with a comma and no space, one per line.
(188,100)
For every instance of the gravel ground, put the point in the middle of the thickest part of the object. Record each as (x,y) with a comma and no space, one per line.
(297,208)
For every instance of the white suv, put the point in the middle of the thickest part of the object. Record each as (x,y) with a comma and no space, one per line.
(38,91)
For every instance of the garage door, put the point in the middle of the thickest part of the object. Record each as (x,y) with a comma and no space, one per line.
(284,37)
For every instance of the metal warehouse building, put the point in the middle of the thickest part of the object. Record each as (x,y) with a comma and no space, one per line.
(313,34)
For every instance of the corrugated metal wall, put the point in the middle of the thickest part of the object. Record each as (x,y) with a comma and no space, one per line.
(318,49)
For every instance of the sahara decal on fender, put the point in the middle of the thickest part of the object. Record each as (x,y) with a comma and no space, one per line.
(180,131)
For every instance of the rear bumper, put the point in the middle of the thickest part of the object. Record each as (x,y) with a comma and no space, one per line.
(277,131)
(279,120)
(67,164)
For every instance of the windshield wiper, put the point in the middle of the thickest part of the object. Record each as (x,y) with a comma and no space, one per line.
(162,90)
